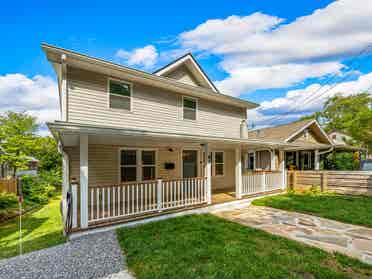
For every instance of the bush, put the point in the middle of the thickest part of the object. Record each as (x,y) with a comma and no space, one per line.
(37,189)
(8,200)
(8,205)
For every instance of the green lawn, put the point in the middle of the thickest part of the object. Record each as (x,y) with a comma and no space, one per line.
(205,246)
(349,209)
(40,229)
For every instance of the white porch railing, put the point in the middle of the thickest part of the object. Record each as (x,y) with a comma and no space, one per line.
(259,182)
(128,199)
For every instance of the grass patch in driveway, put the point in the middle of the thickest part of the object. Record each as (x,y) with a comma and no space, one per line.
(348,209)
(206,246)
(41,228)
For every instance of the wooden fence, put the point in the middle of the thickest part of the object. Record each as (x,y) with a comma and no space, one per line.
(342,182)
(8,185)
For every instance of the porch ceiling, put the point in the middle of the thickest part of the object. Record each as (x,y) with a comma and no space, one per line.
(68,134)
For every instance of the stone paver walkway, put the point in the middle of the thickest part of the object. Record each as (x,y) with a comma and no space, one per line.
(92,256)
(355,241)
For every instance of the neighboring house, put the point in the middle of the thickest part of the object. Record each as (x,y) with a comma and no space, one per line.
(31,168)
(309,133)
(339,138)
(138,143)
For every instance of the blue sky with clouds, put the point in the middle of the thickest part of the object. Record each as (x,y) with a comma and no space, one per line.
(289,56)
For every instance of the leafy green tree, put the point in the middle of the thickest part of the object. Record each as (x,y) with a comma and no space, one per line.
(352,115)
(46,151)
(17,133)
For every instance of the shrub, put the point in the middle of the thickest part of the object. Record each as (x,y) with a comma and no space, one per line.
(37,189)
(8,205)
(8,200)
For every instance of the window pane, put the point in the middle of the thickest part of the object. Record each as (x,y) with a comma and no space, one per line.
(219,157)
(119,88)
(128,157)
(219,169)
(148,157)
(148,173)
(119,102)
(189,114)
(189,103)
(128,174)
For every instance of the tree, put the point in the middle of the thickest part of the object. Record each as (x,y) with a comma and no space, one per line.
(352,115)
(17,133)
(46,151)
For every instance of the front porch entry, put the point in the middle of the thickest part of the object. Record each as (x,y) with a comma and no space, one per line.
(119,179)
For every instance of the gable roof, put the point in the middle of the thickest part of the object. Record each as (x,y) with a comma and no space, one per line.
(193,66)
(78,60)
(288,132)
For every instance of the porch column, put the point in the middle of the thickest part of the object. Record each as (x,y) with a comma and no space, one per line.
(316,160)
(272,159)
(282,167)
(238,173)
(298,160)
(65,174)
(83,181)
(208,172)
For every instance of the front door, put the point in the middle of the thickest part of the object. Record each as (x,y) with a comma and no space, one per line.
(189,163)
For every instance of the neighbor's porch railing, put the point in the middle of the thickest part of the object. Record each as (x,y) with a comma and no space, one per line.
(262,181)
(135,198)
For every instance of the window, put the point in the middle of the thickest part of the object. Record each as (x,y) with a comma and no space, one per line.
(218,158)
(120,95)
(190,107)
(137,165)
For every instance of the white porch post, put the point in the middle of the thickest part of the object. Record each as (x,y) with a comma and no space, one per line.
(83,181)
(298,160)
(272,159)
(317,160)
(208,172)
(238,173)
(282,168)
(65,174)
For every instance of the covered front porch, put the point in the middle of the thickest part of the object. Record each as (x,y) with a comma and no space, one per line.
(118,177)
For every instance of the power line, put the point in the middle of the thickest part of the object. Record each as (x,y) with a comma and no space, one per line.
(331,79)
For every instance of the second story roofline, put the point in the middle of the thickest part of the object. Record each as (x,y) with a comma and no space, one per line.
(74,59)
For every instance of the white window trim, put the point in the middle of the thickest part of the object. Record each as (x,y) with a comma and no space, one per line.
(214,163)
(196,109)
(130,97)
(138,165)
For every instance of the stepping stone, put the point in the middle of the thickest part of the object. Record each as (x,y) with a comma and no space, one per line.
(362,245)
(360,233)
(339,241)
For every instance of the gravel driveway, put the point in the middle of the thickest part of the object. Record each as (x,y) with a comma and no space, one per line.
(92,256)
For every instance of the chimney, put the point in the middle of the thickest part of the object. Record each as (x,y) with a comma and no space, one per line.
(243,129)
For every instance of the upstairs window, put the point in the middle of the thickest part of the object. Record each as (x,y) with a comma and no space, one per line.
(120,94)
(190,106)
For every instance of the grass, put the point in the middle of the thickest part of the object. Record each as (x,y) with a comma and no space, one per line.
(348,209)
(205,246)
(41,228)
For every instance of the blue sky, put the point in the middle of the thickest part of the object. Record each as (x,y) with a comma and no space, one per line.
(277,53)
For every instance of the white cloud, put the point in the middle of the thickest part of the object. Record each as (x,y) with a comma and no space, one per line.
(277,76)
(38,96)
(264,44)
(297,103)
(146,56)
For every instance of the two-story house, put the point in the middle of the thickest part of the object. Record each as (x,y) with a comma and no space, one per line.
(136,144)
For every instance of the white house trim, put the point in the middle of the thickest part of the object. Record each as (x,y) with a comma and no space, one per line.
(305,127)
(195,65)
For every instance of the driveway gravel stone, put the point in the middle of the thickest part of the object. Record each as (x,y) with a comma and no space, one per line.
(92,256)
(330,235)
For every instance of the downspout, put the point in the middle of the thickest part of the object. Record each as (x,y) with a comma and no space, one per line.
(327,151)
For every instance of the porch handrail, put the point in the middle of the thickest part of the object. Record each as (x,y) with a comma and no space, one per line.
(135,198)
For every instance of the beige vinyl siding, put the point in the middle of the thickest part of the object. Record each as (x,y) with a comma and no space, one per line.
(182,74)
(103,164)
(152,109)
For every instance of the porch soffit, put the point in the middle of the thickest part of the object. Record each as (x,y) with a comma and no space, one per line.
(68,134)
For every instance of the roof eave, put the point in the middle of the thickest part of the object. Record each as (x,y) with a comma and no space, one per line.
(146,78)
